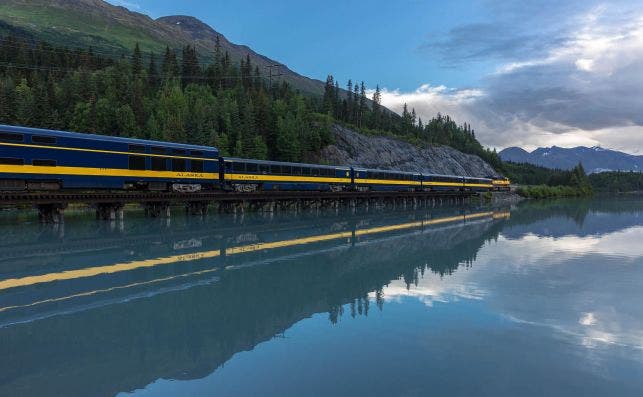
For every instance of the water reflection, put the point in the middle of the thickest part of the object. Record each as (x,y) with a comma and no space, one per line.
(97,309)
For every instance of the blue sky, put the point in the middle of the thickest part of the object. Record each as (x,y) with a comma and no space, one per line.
(380,43)
(525,73)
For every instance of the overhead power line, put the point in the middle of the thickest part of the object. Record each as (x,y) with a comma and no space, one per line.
(199,77)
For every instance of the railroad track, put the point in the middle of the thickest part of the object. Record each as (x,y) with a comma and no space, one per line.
(38,198)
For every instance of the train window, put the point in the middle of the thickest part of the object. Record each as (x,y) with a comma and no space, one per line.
(159,164)
(286,170)
(137,148)
(10,137)
(179,151)
(136,162)
(196,165)
(239,167)
(46,140)
(264,169)
(11,161)
(178,165)
(158,150)
(251,167)
(315,171)
(44,163)
(305,171)
(296,170)
(196,153)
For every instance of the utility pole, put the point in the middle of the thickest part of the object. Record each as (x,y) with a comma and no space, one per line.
(270,75)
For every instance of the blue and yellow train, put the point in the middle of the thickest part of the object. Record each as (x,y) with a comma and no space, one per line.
(38,159)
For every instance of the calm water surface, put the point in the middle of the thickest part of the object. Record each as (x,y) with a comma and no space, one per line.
(541,299)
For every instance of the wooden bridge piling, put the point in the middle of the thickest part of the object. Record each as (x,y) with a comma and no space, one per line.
(109,205)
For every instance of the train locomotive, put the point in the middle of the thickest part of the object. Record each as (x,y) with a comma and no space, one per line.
(39,159)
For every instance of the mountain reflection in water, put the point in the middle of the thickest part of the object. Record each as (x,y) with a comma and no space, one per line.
(98,309)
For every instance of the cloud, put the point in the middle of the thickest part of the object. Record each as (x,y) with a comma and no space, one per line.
(569,83)
(481,41)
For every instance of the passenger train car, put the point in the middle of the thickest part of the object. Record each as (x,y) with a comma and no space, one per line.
(249,175)
(373,179)
(43,159)
(37,159)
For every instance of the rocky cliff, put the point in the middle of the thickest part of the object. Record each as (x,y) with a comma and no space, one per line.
(352,148)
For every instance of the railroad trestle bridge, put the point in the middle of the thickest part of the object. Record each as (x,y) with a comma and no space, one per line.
(110,205)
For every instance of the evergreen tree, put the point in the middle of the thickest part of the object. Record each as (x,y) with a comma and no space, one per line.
(362,104)
(7,101)
(152,73)
(355,115)
(137,61)
(171,113)
(170,66)
(152,129)
(377,101)
(190,68)
(24,103)
(349,102)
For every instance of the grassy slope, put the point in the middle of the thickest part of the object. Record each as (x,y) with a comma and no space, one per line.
(66,26)
(100,28)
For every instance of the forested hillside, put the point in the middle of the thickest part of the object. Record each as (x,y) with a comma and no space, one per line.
(176,97)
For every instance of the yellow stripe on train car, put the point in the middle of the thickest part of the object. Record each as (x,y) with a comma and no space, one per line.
(283,178)
(477,185)
(429,183)
(76,149)
(387,182)
(87,171)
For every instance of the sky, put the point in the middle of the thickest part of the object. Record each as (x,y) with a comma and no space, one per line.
(525,73)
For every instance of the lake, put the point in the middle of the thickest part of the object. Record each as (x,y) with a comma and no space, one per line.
(544,298)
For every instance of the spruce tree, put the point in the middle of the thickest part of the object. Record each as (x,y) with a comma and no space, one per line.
(24,103)
(362,104)
(137,61)
(152,74)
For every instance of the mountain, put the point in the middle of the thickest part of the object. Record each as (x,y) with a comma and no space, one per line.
(115,30)
(594,159)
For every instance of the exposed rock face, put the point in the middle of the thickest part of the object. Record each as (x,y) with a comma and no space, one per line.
(352,148)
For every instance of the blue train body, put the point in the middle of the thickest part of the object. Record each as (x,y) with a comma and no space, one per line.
(37,159)
(85,161)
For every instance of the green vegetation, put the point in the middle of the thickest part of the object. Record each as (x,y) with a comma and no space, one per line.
(176,98)
(233,107)
(65,25)
(574,183)
(352,109)
(529,174)
(617,182)
(168,98)
(544,191)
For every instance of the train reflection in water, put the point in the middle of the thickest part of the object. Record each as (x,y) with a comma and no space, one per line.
(198,292)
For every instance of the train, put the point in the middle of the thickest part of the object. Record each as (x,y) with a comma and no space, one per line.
(36,159)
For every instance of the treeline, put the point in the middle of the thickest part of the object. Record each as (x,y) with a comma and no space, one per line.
(351,106)
(540,182)
(617,182)
(169,97)
(232,106)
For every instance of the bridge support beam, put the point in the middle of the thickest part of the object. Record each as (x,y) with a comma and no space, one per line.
(157,210)
(232,207)
(109,211)
(196,208)
(51,213)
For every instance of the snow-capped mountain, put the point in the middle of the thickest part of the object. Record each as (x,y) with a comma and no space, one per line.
(594,159)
